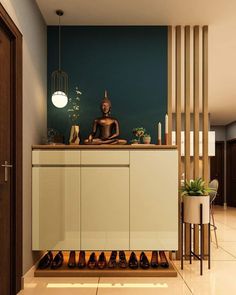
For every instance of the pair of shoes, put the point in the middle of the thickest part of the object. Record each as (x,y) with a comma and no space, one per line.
(154,259)
(163,260)
(112,261)
(144,263)
(101,263)
(133,261)
(46,261)
(57,261)
(72,260)
(82,260)
(122,260)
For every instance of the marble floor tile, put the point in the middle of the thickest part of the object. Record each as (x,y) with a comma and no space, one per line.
(140,286)
(219,280)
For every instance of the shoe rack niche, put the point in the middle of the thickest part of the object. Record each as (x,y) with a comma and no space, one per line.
(188,91)
(105,198)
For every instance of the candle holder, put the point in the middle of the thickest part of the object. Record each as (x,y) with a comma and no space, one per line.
(166,139)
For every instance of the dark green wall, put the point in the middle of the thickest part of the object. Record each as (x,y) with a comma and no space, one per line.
(130,62)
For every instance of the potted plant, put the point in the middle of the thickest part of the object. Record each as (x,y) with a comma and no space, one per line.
(139,132)
(147,138)
(194,193)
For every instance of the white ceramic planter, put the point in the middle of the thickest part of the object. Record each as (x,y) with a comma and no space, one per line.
(192,209)
(147,139)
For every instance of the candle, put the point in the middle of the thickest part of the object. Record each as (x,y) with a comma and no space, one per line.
(159,133)
(166,124)
(166,129)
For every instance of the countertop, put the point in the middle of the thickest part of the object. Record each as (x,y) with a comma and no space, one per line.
(104,147)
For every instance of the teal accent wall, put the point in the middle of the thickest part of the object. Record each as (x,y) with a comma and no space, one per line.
(129,61)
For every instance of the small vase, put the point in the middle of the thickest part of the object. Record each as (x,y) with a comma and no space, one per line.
(147,139)
(74,135)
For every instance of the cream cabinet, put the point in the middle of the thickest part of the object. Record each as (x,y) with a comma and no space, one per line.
(153,200)
(105,199)
(56,200)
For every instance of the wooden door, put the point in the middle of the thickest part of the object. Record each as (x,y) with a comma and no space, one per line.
(10,154)
(217,171)
(5,159)
(231,173)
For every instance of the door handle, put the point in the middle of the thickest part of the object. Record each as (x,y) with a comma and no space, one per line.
(6,166)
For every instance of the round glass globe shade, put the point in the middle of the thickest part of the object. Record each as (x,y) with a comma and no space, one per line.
(59,99)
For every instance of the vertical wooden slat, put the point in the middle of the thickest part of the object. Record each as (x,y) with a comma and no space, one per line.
(187,101)
(187,124)
(196,92)
(196,87)
(170,82)
(205,119)
(178,90)
(205,103)
(170,89)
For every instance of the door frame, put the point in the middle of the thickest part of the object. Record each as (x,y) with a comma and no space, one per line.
(228,142)
(16,152)
(224,181)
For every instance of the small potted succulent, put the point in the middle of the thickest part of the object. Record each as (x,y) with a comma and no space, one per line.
(139,132)
(147,138)
(194,193)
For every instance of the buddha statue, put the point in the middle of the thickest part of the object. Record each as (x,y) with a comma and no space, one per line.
(106,127)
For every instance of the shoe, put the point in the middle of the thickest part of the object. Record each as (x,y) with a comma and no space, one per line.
(102,262)
(163,260)
(112,260)
(82,260)
(71,261)
(57,261)
(133,261)
(46,261)
(144,263)
(92,263)
(122,260)
(154,259)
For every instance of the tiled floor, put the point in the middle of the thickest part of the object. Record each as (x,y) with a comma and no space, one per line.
(221,279)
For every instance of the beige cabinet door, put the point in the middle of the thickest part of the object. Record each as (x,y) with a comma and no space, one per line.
(153,200)
(56,208)
(104,208)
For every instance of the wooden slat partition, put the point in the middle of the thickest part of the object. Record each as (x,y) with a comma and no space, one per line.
(191,83)
(196,91)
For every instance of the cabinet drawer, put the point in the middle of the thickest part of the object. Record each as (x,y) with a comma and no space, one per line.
(105,157)
(56,157)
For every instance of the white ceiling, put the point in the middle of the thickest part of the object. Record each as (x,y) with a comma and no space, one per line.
(218,14)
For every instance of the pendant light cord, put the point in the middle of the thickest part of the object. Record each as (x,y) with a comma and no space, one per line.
(59,45)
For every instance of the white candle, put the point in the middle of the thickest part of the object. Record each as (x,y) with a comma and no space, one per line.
(159,131)
(166,124)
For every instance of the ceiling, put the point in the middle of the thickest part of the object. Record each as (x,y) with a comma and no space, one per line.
(218,14)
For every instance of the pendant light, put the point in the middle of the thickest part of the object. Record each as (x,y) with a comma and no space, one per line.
(59,79)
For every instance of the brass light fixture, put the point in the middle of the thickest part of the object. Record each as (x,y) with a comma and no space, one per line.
(59,79)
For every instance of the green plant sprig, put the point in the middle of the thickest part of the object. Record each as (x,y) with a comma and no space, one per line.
(195,187)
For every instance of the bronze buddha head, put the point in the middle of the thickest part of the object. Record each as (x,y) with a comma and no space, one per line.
(105,105)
